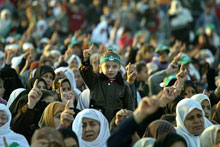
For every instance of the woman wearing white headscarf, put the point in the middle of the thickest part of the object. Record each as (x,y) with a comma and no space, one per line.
(70,76)
(210,136)
(205,102)
(5,131)
(191,121)
(145,142)
(92,128)
(74,61)
(100,33)
(84,100)
(14,95)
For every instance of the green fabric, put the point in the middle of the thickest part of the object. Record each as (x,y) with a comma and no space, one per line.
(161,48)
(14,144)
(110,58)
(168,79)
(95,43)
(184,59)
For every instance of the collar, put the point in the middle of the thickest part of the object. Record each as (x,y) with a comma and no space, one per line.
(117,79)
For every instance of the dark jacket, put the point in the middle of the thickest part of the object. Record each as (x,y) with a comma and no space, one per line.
(109,96)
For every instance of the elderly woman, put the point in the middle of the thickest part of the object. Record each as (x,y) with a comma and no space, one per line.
(205,102)
(92,128)
(191,121)
(5,131)
(211,136)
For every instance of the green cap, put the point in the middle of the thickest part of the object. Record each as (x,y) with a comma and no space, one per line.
(14,144)
(169,78)
(184,59)
(95,43)
(161,48)
(73,42)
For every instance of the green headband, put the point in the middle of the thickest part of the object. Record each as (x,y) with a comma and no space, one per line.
(110,58)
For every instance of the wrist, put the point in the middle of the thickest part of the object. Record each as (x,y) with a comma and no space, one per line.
(138,117)
(30,106)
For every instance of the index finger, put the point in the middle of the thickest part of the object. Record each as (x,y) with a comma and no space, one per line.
(5,142)
(67,105)
(35,83)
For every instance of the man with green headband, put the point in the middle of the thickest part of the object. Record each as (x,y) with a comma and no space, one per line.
(109,92)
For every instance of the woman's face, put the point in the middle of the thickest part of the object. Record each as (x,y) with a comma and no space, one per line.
(66,86)
(56,119)
(90,128)
(3,118)
(48,77)
(189,92)
(70,142)
(74,63)
(2,89)
(206,108)
(178,144)
(41,85)
(194,122)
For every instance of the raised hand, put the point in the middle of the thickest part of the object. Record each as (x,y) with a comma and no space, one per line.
(10,55)
(87,53)
(146,107)
(34,96)
(66,116)
(121,115)
(131,73)
(182,75)
(167,96)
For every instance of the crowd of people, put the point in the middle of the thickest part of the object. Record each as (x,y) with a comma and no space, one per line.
(109,73)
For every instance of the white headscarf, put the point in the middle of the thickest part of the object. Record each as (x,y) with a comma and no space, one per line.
(41,27)
(2,56)
(145,142)
(84,100)
(72,58)
(70,76)
(183,108)
(16,61)
(104,133)
(209,136)
(100,33)
(6,132)
(14,95)
(200,98)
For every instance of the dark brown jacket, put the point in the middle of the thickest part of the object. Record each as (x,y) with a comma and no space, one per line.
(109,96)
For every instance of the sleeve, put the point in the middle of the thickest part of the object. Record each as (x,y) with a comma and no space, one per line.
(88,75)
(155,80)
(128,102)
(23,122)
(121,136)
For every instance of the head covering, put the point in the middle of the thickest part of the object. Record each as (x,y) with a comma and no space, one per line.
(171,107)
(14,95)
(6,132)
(34,65)
(209,136)
(41,27)
(100,34)
(72,58)
(145,142)
(168,81)
(27,46)
(104,133)
(200,98)
(2,101)
(66,132)
(70,76)
(11,81)
(184,107)
(161,48)
(184,59)
(169,139)
(44,69)
(51,110)
(15,62)
(158,128)
(30,82)
(84,100)
(2,55)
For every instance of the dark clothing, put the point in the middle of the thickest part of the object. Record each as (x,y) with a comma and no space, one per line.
(108,95)
(93,15)
(142,88)
(11,81)
(30,82)
(121,136)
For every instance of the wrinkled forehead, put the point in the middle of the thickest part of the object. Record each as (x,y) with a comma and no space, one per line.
(89,120)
